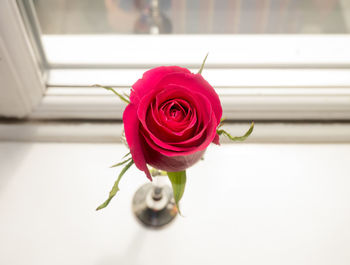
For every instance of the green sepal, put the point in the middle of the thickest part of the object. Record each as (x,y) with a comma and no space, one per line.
(221,122)
(203,63)
(121,163)
(123,98)
(156,172)
(237,138)
(126,155)
(178,182)
(115,188)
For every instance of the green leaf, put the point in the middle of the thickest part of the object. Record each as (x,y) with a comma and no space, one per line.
(202,66)
(123,98)
(115,188)
(237,138)
(178,182)
(122,163)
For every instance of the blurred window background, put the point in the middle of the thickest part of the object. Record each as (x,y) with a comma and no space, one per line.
(193,16)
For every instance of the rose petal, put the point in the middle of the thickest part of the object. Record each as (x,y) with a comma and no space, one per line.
(197,84)
(174,163)
(132,135)
(216,139)
(162,123)
(165,133)
(179,126)
(158,139)
(150,79)
(175,150)
(172,91)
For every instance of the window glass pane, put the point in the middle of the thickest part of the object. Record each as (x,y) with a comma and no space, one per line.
(193,16)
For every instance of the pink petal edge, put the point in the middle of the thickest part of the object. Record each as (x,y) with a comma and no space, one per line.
(131,127)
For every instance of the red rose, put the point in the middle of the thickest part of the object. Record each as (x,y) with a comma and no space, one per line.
(171,119)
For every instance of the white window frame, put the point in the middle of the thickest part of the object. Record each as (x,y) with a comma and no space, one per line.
(22,85)
(254,82)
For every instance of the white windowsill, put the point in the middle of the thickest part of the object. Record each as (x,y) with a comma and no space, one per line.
(249,203)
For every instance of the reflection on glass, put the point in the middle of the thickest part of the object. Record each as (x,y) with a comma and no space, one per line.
(193,16)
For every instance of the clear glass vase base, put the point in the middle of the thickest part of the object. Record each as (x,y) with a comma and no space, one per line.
(154,206)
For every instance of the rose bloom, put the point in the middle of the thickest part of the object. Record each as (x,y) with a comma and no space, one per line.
(171,119)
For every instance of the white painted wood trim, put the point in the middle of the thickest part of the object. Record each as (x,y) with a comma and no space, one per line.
(22,85)
(262,78)
(189,50)
(238,103)
(111,132)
